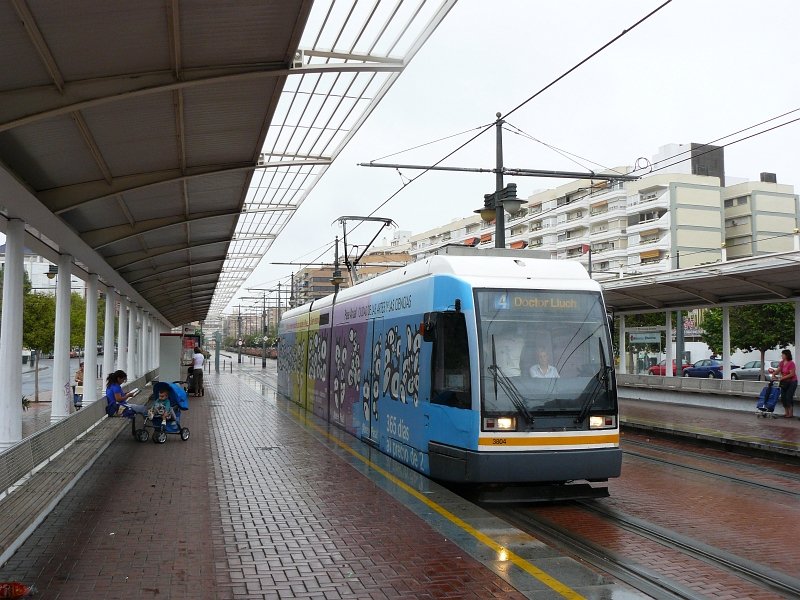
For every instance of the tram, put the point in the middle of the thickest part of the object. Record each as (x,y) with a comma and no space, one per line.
(488,368)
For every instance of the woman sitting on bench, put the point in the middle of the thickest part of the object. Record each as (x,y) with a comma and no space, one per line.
(117,400)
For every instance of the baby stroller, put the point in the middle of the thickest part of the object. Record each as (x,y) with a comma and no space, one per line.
(160,422)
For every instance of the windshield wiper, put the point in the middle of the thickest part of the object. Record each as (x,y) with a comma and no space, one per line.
(603,377)
(508,387)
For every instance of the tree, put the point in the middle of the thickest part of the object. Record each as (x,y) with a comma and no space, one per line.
(712,329)
(77,320)
(38,327)
(39,322)
(759,327)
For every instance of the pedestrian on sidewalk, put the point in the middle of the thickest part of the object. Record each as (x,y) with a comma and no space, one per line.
(77,389)
(787,370)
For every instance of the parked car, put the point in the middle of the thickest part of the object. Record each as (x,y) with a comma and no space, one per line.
(660,369)
(708,367)
(752,370)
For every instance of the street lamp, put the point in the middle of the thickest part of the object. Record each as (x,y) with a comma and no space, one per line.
(503,198)
(494,207)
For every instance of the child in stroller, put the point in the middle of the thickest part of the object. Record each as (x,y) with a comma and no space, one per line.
(164,416)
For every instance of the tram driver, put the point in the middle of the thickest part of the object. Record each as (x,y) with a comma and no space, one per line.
(543,368)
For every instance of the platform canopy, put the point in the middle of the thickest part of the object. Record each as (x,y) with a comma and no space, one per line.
(760,279)
(166,144)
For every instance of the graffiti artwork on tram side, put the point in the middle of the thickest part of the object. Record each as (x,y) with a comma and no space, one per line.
(317,355)
(401,368)
(399,364)
(346,369)
(371,382)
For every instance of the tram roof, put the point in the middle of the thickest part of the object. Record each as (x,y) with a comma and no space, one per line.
(165,146)
(490,271)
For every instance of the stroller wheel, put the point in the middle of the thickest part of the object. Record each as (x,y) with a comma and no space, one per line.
(142,435)
(160,437)
(185,433)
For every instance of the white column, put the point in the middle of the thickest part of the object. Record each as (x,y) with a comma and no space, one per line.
(108,334)
(90,342)
(122,335)
(61,400)
(726,343)
(670,355)
(11,337)
(142,341)
(131,368)
(145,348)
(622,348)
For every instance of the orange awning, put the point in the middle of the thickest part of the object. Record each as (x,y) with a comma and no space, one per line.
(472,241)
(486,237)
(519,244)
(650,254)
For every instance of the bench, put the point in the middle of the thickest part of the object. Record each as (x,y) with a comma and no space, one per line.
(37,472)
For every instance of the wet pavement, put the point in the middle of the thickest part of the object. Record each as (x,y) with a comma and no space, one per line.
(266,502)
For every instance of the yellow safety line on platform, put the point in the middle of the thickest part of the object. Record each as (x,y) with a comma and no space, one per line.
(520,562)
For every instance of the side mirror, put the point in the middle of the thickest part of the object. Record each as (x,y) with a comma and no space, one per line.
(610,319)
(428,327)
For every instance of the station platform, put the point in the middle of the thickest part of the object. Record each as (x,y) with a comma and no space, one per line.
(265,501)
(730,428)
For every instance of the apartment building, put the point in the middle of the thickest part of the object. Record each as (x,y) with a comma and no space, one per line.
(43,274)
(760,217)
(663,221)
(315,282)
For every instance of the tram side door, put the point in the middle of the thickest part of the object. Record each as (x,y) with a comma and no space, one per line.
(372,383)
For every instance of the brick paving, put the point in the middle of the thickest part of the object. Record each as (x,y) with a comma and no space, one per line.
(299,522)
(251,506)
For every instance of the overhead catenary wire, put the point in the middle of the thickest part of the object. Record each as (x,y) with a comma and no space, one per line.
(747,137)
(764,122)
(565,153)
(523,103)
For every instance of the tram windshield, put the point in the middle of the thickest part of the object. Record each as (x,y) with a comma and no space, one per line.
(544,352)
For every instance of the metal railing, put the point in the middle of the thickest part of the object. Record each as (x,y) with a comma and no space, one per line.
(26,456)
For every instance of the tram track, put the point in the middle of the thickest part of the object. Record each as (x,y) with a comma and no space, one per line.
(716,475)
(625,569)
(737,464)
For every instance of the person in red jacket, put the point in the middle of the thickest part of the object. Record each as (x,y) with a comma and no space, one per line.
(787,371)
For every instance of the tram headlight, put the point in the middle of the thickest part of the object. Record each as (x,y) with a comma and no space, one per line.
(602,422)
(499,423)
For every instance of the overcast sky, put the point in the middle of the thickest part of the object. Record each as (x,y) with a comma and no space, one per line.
(693,72)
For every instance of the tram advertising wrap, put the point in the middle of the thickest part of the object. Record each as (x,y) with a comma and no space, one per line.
(486,370)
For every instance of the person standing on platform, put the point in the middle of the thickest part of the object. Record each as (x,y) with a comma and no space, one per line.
(787,371)
(198,358)
(196,372)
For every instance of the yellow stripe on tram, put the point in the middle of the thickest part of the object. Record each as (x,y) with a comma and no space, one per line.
(570,440)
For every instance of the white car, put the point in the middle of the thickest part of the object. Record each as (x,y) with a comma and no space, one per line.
(752,370)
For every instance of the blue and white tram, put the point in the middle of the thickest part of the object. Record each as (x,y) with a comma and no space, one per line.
(482,369)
